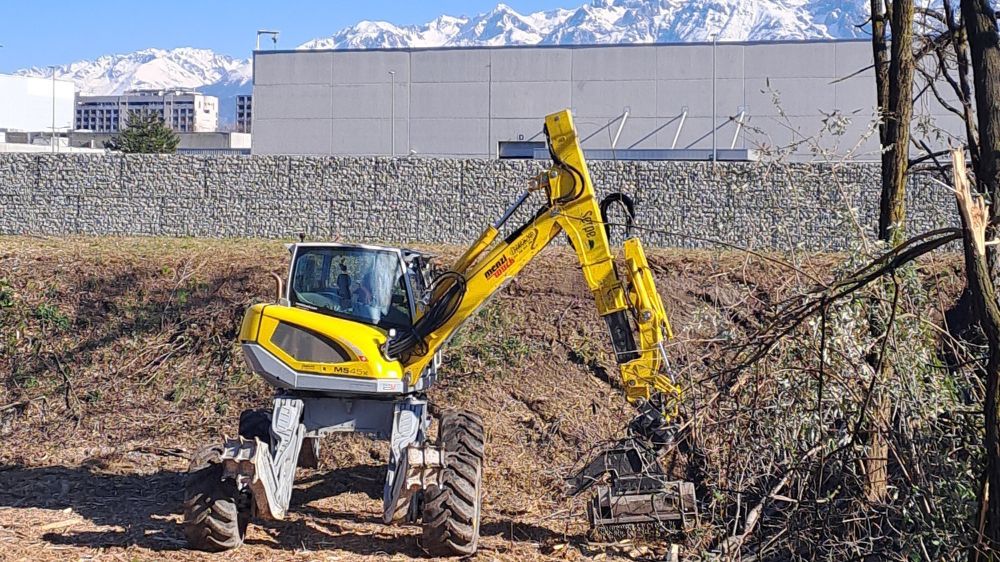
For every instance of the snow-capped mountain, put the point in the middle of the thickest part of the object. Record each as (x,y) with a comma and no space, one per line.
(151,68)
(210,73)
(599,21)
(618,21)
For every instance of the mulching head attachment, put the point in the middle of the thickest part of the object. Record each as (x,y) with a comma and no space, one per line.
(638,498)
(655,508)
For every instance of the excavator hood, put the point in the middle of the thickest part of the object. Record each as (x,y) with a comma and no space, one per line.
(299,349)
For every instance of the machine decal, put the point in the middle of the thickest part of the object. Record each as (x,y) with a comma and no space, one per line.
(390,386)
(527,242)
(589,229)
(333,369)
(341,370)
(501,265)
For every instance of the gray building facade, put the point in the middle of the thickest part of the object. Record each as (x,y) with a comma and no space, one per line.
(806,100)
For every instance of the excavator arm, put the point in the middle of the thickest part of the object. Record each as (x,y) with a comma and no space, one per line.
(639,493)
(626,296)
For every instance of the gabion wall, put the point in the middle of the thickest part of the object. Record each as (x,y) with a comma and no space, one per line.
(403,200)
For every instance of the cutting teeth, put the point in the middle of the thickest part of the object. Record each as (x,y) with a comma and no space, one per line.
(626,531)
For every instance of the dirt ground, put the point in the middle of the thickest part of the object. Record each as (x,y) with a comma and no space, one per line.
(119,359)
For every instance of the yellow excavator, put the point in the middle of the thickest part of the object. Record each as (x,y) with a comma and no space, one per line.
(354,342)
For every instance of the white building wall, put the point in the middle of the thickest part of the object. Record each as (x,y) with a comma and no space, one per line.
(206,111)
(805,100)
(26,104)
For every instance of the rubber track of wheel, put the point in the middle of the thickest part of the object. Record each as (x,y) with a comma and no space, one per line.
(450,516)
(212,521)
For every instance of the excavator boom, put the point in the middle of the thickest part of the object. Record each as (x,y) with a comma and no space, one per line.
(626,297)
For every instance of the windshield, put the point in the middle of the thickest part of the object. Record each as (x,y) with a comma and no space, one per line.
(360,284)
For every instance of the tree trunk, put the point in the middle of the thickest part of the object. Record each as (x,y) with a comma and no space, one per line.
(896,119)
(880,54)
(876,461)
(984,45)
(975,217)
(960,45)
(894,87)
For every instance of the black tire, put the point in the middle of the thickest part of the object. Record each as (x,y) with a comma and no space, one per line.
(215,514)
(257,423)
(451,511)
(462,432)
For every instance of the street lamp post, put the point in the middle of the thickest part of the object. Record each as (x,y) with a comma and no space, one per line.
(52,135)
(392,112)
(271,32)
(715,153)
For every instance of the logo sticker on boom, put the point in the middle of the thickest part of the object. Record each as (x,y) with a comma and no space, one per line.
(589,229)
(528,241)
(501,265)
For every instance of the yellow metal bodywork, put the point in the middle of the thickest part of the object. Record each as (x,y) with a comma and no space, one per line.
(488,264)
(359,340)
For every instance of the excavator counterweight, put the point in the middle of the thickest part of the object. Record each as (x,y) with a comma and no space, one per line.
(354,340)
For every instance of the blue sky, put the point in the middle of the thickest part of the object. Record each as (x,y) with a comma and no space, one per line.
(39,33)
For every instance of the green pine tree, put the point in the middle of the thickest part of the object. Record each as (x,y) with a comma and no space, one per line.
(146,133)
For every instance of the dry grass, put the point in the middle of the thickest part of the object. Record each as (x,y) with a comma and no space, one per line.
(119,358)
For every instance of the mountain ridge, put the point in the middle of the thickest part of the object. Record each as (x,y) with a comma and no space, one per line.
(596,22)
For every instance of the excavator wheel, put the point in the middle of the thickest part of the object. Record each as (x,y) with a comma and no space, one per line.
(451,511)
(257,423)
(462,432)
(215,513)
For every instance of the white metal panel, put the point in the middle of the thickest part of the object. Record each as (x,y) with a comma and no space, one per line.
(26,104)
(529,99)
(292,136)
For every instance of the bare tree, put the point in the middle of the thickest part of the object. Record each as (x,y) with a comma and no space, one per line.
(894,88)
(984,46)
(975,218)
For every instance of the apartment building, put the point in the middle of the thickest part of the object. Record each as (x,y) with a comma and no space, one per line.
(184,111)
(244,113)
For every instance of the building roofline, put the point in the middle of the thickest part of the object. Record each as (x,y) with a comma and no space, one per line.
(550,46)
(130,94)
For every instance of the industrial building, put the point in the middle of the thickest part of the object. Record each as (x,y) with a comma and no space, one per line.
(35,104)
(244,113)
(184,111)
(806,99)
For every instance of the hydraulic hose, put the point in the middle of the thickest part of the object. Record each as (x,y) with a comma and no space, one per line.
(413,342)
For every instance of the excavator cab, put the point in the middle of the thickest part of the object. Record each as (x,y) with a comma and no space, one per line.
(367,284)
